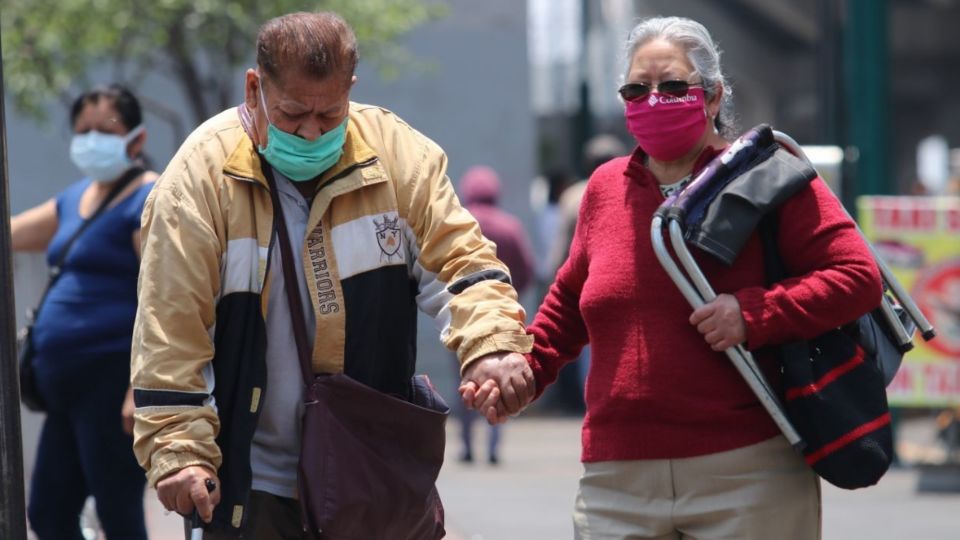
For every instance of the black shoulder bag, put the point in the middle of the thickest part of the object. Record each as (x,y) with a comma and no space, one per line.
(835,388)
(29,393)
(369,461)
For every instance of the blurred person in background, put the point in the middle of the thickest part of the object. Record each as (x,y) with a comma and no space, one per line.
(480,193)
(675,445)
(598,150)
(83,330)
(545,192)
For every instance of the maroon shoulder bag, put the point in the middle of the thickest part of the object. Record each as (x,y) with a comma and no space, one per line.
(369,461)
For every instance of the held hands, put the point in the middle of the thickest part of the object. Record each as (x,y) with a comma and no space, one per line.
(185,490)
(721,322)
(498,385)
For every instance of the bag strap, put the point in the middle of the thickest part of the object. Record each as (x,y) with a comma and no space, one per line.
(57,267)
(775,271)
(118,186)
(773,268)
(290,281)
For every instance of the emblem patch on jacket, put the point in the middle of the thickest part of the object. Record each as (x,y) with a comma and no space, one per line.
(388,237)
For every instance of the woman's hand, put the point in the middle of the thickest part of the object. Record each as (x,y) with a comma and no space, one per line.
(721,322)
(498,385)
(126,412)
(484,398)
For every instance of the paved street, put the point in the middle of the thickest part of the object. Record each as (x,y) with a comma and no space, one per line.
(529,496)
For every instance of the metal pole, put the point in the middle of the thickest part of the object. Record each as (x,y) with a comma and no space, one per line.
(829,72)
(583,121)
(866,60)
(13,515)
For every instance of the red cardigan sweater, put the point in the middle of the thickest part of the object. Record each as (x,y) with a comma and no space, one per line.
(655,388)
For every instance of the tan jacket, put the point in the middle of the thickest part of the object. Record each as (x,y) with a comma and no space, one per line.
(386,235)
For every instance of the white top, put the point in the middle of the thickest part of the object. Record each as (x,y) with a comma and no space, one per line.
(670,189)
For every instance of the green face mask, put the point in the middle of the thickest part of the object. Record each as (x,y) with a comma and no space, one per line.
(297,158)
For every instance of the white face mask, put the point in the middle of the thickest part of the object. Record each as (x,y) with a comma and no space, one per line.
(102,156)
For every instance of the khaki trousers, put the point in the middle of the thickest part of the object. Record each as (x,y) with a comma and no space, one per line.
(760,492)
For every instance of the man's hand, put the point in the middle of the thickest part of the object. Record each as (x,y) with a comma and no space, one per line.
(498,385)
(183,490)
(721,322)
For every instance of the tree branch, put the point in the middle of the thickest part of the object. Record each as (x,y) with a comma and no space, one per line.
(232,59)
(189,74)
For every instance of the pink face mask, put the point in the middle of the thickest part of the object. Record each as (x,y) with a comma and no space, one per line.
(667,127)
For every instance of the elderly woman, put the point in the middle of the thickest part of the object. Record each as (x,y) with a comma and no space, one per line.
(675,445)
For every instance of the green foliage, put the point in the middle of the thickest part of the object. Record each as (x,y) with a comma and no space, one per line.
(50,46)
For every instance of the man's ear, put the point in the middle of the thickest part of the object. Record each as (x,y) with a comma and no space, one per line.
(251,89)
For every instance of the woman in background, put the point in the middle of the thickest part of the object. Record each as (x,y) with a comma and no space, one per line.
(84,327)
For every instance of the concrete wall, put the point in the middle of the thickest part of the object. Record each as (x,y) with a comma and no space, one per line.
(474,101)
(475,104)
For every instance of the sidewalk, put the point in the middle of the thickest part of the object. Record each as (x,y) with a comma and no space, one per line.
(530,495)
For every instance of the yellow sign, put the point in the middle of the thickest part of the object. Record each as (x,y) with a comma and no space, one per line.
(919,239)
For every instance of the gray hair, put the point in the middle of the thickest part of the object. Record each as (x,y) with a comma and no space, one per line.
(702,52)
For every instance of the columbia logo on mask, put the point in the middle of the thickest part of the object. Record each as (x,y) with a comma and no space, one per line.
(667,132)
(667,100)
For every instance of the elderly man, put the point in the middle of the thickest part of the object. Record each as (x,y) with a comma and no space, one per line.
(376,231)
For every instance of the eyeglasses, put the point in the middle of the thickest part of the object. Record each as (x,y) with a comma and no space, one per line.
(677,88)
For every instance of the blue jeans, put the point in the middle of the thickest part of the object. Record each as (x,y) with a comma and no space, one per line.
(84,451)
(466,418)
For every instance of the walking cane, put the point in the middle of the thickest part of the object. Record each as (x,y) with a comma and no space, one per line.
(192,524)
(697,296)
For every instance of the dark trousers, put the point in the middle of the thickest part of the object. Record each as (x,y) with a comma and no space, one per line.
(271,518)
(84,451)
